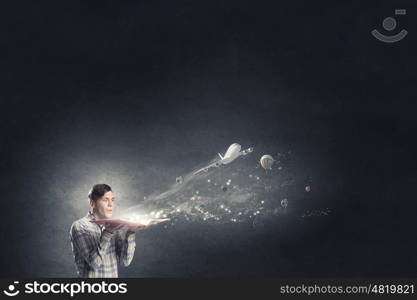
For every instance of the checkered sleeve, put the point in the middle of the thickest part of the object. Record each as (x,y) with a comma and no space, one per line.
(84,244)
(126,248)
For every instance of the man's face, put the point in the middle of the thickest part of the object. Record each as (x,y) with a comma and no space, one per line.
(104,206)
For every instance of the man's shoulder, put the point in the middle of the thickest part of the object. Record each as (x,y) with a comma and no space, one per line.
(81,224)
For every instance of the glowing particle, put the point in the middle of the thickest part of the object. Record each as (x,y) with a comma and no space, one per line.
(284,203)
(308,188)
(179,180)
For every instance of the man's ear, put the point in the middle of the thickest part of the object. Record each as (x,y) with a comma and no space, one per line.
(91,203)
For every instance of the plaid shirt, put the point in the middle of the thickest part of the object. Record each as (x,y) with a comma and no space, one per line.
(98,251)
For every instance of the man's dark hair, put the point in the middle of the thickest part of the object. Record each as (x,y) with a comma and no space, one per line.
(98,190)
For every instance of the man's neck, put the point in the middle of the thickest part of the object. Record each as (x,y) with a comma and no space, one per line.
(96,216)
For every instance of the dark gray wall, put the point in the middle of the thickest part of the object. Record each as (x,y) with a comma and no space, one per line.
(135,94)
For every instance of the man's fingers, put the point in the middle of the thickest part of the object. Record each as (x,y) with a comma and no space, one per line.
(114,227)
(118,226)
(136,228)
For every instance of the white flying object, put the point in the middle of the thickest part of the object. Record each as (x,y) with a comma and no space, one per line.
(231,154)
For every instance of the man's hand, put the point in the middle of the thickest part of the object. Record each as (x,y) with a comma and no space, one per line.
(133,229)
(113,227)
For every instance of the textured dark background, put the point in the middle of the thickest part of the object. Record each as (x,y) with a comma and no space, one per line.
(134,94)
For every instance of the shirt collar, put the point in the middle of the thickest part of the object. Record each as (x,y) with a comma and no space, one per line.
(90,216)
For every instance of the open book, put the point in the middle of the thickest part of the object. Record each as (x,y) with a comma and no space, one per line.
(128,223)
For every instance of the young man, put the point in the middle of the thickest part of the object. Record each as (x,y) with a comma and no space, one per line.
(98,249)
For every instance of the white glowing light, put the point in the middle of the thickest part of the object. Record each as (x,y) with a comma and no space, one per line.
(145,221)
